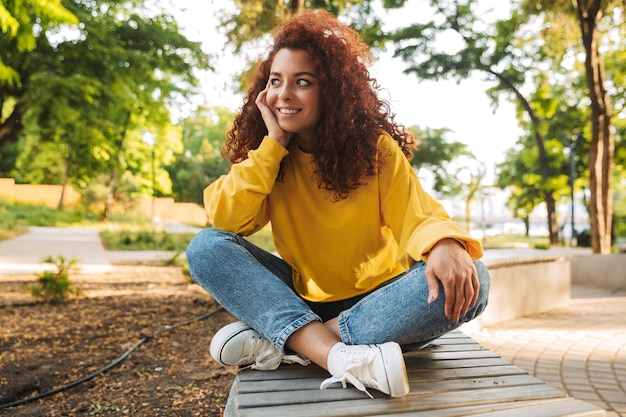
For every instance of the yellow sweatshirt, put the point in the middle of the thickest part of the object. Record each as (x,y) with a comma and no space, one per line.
(337,250)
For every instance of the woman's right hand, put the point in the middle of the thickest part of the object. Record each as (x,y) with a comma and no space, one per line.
(274,131)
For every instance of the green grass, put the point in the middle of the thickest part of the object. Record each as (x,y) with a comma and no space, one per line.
(263,239)
(516,241)
(15,218)
(14,214)
(149,239)
(145,239)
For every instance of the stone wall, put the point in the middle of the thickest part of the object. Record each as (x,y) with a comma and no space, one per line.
(524,286)
(48,195)
(601,271)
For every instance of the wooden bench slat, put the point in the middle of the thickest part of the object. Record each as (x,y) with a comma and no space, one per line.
(454,376)
(470,381)
(445,369)
(568,407)
(474,383)
(284,372)
(316,407)
(449,347)
(455,355)
(461,373)
(454,363)
(298,382)
(535,408)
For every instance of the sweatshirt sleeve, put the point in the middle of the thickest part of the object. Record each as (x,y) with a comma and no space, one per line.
(237,201)
(416,219)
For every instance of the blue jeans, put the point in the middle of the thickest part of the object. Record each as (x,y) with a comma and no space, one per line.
(255,286)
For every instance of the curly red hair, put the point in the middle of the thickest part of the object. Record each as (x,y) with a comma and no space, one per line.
(353,116)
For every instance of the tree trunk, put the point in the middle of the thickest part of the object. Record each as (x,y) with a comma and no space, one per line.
(601,154)
(66,176)
(526,221)
(296,6)
(111,184)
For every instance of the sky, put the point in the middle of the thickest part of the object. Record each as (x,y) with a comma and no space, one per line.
(463,107)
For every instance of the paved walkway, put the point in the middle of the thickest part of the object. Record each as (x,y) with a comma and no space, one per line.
(580,349)
(24,254)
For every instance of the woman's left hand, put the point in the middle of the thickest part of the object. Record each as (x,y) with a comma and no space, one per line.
(450,263)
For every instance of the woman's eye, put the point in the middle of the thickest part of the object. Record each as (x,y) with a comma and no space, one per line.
(274,81)
(303,82)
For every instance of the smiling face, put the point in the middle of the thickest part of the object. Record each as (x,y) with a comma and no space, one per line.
(294,94)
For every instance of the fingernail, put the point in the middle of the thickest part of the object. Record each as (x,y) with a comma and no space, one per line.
(431,298)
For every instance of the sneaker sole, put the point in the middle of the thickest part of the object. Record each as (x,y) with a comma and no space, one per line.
(394,362)
(221,339)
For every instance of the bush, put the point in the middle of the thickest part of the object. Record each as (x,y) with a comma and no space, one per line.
(145,240)
(55,287)
(24,214)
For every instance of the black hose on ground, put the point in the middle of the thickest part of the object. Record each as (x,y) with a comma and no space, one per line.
(110,366)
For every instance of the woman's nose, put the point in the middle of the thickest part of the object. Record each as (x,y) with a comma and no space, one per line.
(284,93)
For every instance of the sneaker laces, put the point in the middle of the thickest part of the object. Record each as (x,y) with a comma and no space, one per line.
(353,373)
(270,357)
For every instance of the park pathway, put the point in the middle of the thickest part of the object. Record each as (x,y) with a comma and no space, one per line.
(579,349)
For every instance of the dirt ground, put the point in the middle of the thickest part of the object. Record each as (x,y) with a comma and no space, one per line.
(45,347)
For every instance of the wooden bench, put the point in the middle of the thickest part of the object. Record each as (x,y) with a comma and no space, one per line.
(454,376)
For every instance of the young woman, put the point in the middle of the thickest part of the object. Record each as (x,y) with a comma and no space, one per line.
(368,261)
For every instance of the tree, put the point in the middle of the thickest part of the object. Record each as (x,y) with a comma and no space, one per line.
(437,154)
(96,91)
(519,173)
(494,54)
(200,162)
(251,21)
(19,24)
(454,168)
(559,106)
(588,15)
(601,163)
(19,21)
(254,19)
(524,184)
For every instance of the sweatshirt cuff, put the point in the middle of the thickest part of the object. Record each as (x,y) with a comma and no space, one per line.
(270,147)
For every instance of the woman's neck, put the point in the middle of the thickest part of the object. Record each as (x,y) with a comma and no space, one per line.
(304,143)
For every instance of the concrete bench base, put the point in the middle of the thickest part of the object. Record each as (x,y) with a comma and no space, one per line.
(454,376)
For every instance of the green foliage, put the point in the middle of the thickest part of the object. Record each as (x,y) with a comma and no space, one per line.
(145,239)
(54,287)
(10,223)
(200,162)
(90,96)
(18,216)
(254,19)
(455,170)
(520,174)
(515,241)
(150,239)
(18,22)
(562,120)
(440,157)
(14,215)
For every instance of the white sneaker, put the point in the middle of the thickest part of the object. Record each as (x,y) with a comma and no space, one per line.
(238,344)
(374,366)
